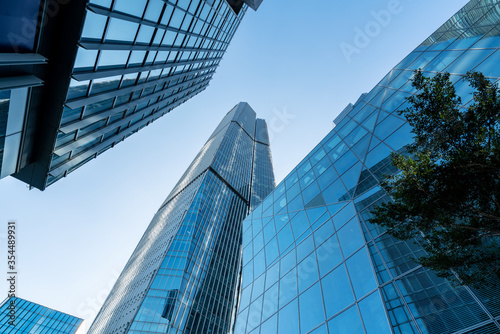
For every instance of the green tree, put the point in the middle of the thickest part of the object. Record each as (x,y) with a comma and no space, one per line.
(448,187)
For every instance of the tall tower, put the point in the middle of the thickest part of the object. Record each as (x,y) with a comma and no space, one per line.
(313,263)
(185,272)
(76,78)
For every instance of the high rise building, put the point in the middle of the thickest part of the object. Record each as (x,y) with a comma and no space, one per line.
(18,316)
(184,275)
(313,263)
(78,77)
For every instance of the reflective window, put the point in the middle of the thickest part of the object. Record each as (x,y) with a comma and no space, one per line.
(347,322)
(337,291)
(145,34)
(350,237)
(270,326)
(104,3)
(135,7)
(334,192)
(288,319)
(154,10)
(120,30)
(361,273)
(270,304)
(94,25)
(373,314)
(307,272)
(328,255)
(299,224)
(311,308)
(111,58)
(288,287)
(85,59)
(468,61)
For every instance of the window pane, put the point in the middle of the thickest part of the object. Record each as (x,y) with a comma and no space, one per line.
(347,322)
(337,291)
(289,319)
(361,273)
(374,317)
(311,308)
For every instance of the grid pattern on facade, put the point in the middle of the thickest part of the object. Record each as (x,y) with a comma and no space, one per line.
(14,91)
(135,62)
(34,318)
(183,276)
(313,263)
(262,174)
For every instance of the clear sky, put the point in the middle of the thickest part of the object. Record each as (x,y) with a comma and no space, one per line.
(297,63)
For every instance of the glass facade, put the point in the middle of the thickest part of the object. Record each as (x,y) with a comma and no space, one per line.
(313,263)
(119,66)
(184,275)
(136,61)
(36,319)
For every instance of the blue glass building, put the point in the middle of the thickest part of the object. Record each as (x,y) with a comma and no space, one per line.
(33,318)
(184,275)
(92,73)
(313,263)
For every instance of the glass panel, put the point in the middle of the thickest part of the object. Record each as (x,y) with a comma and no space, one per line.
(350,237)
(311,308)
(307,272)
(288,287)
(289,319)
(154,10)
(120,30)
(85,59)
(361,273)
(373,314)
(337,291)
(94,25)
(77,89)
(270,305)
(135,7)
(467,61)
(347,322)
(110,58)
(145,34)
(270,326)
(328,254)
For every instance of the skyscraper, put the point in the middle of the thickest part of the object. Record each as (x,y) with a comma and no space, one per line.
(313,263)
(77,78)
(184,275)
(19,316)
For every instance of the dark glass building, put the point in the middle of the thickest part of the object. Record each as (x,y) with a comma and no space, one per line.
(313,263)
(76,78)
(32,318)
(184,274)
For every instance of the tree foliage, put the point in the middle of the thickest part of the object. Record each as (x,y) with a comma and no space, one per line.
(448,187)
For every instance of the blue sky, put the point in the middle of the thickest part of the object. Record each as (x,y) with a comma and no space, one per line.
(288,61)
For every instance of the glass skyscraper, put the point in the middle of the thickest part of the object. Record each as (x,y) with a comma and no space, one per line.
(184,275)
(312,261)
(88,75)
(29,317)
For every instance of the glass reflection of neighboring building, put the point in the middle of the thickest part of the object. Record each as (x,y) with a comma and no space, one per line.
(184,275)
(312,262)
(33,318)
(87,75)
